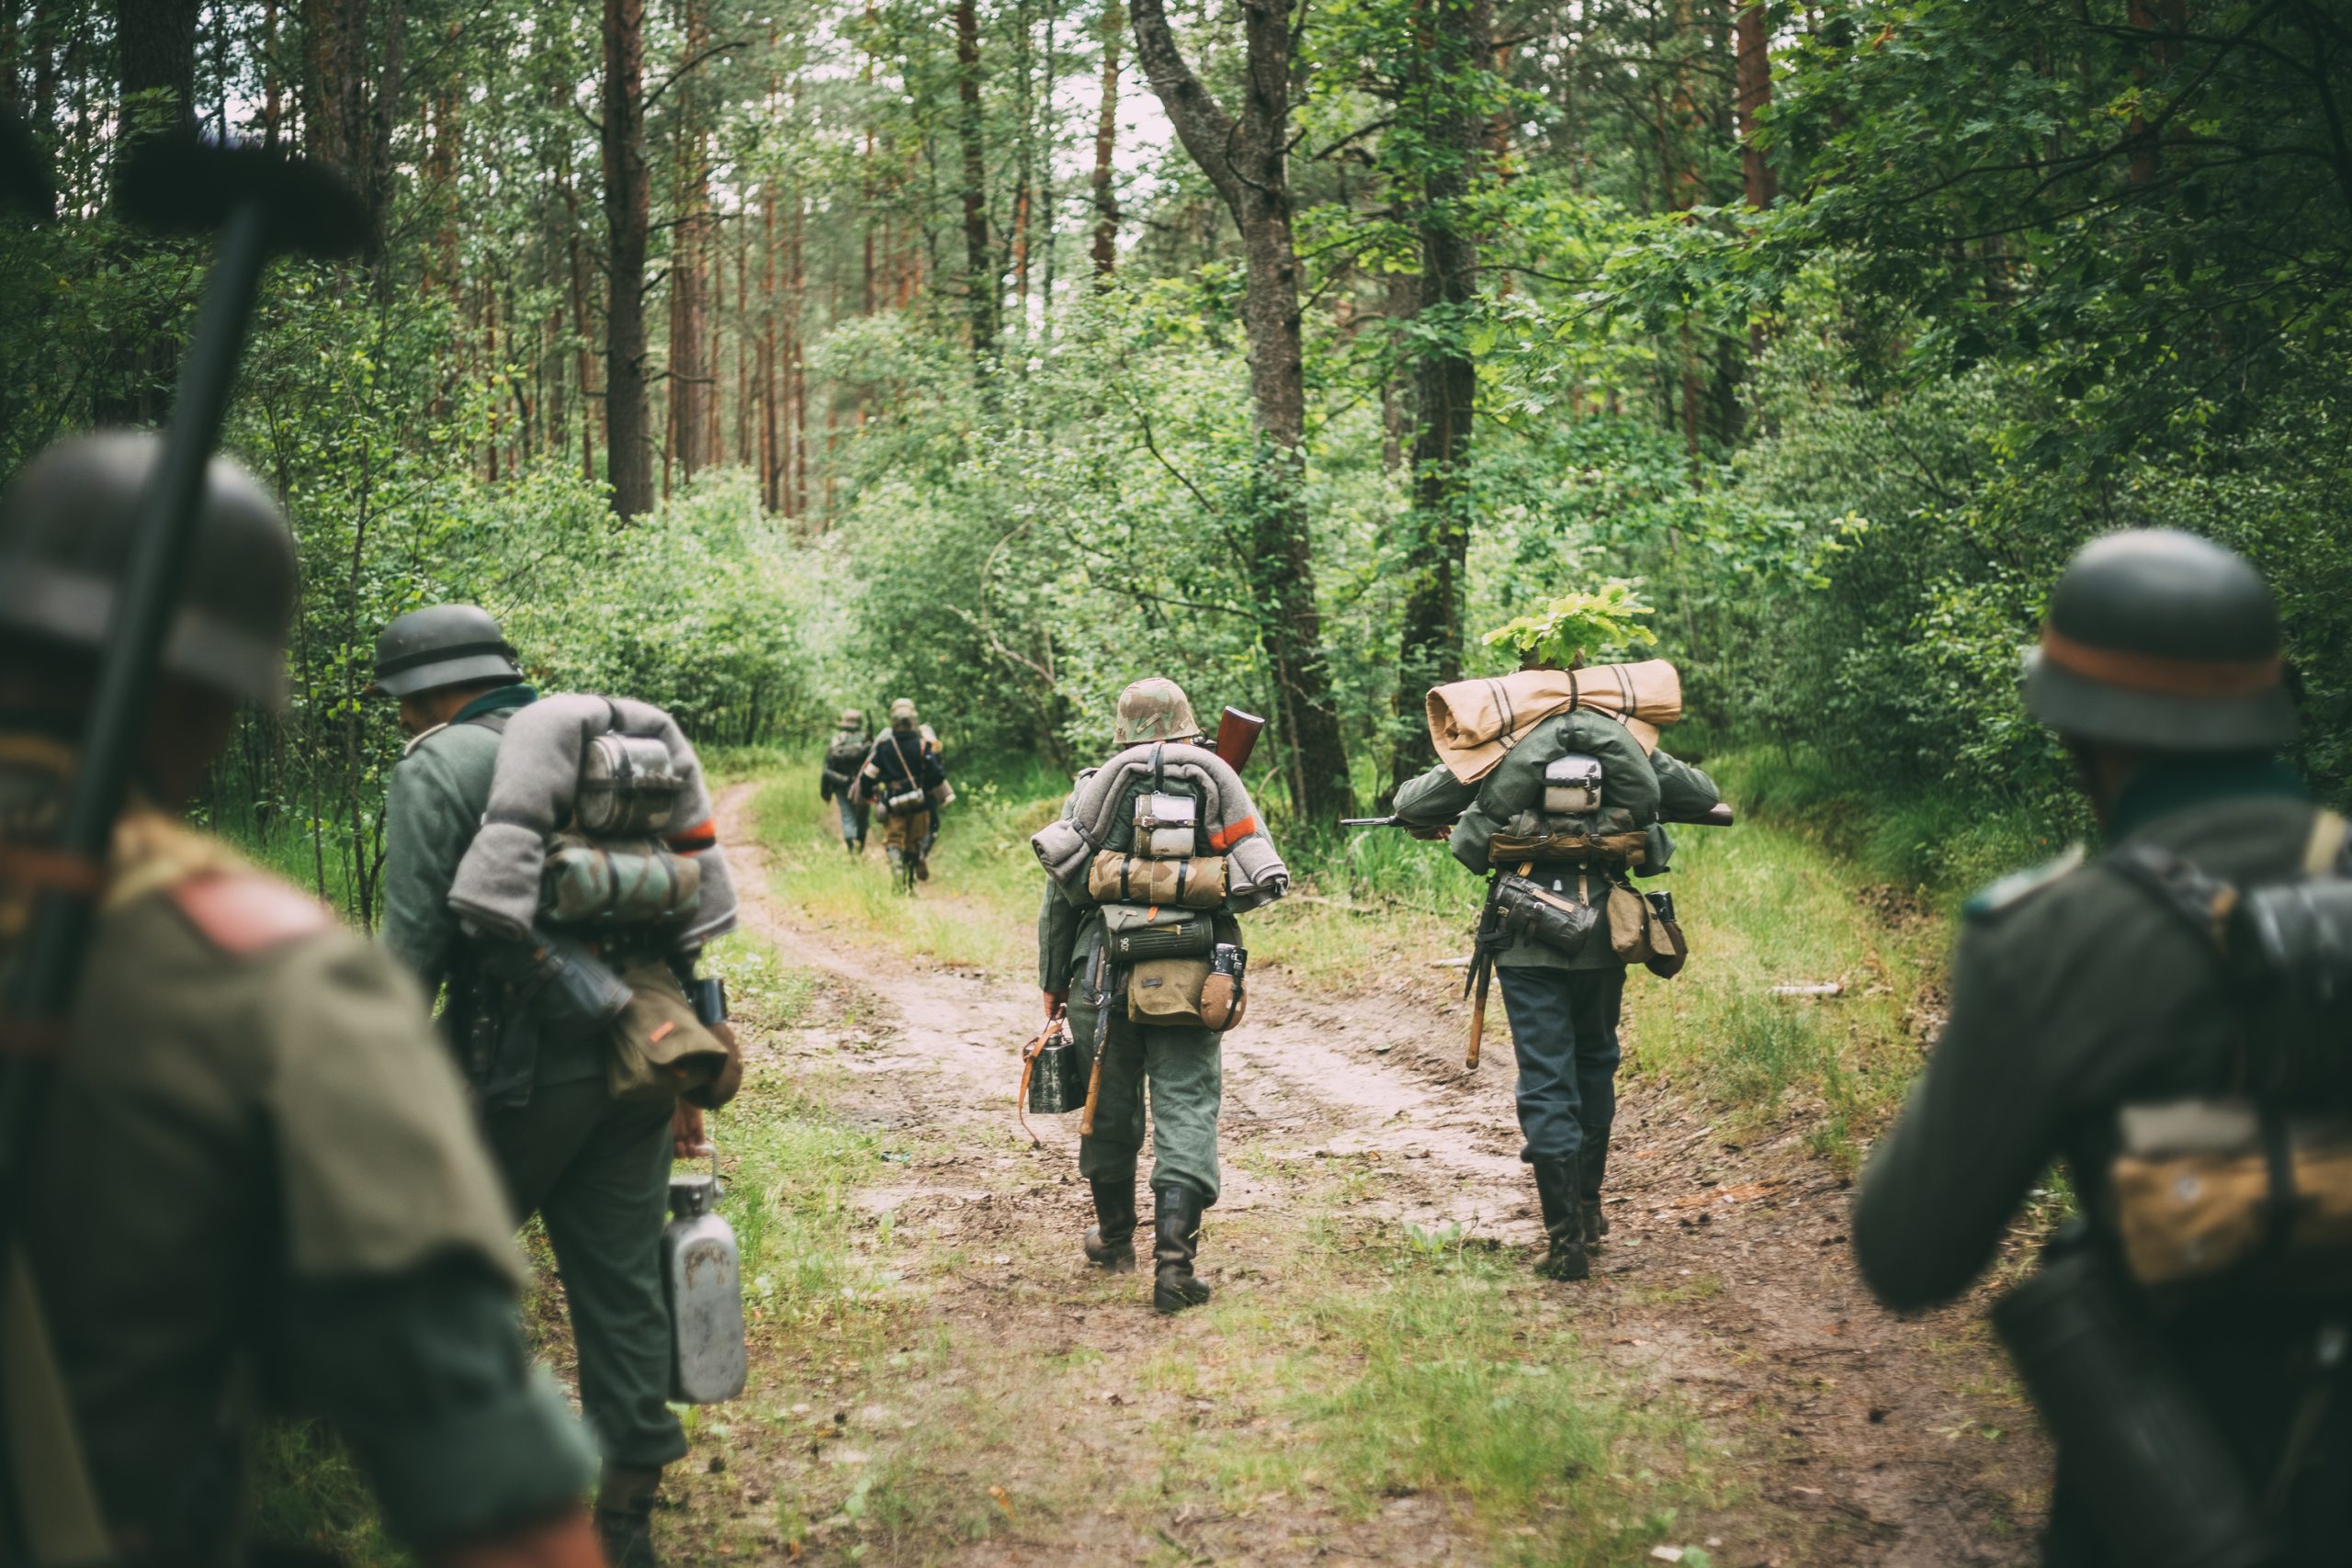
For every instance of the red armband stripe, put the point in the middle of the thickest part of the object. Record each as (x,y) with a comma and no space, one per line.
(1224,839)
(702,835)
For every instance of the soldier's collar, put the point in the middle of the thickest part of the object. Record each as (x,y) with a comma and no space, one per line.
(2175,784)
(514,696)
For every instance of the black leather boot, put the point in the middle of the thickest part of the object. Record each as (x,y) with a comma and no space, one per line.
(1556,1190)
(1111,1239)
(1590,1166)
(624,1516)
(1176,1238)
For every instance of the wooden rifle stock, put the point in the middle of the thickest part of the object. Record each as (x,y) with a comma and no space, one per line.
(1236,737)
(1719,814)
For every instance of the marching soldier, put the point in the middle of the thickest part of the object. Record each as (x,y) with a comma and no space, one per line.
(595,1170)
(1176,1053)
(903,775)
(2148,1018)
(1563,1007)
(844,755)
(255,1174)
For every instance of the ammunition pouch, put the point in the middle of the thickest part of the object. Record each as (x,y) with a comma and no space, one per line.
(2140,1449)
(1525,908)
(617,882)
(1195,882)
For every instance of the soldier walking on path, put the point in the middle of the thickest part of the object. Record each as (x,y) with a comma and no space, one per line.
(256,1177)
(2168,1018)
(593,1167)
(1570,812)
(1156,851)
(845,754)
(905,779)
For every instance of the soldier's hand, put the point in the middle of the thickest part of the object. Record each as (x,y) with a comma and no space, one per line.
(1053,1002)
(686,1138)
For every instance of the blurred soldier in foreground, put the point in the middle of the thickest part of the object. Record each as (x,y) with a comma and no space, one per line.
(904,777)
(1560,824)
(1155,854)
(2169,1018)
(257,1176)
(844,755)
(592,1163)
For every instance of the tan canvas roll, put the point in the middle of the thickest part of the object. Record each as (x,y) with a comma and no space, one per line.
(2185,1216)
(1195,883)
(1616,851)
(1474,724)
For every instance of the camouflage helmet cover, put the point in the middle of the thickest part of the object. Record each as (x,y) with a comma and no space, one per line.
(853,718)
(66,522)
(902,713)
(2161,639)
(1154,709)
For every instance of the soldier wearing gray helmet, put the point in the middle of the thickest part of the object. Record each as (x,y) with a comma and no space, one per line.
(594,1167)
(2115,1012)
(255,1176)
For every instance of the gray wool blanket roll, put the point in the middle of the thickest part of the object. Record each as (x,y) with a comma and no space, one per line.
(1255,874)
(498,882)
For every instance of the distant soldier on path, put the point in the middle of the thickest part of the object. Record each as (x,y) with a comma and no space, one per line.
(257,1182)
(905,779)
(845,753)
(2168,1018)
(1136,940)
(1578,801)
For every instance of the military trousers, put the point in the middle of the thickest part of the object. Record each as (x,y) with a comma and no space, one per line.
(1564,1026)
(597,1173)
(853,818)
(1180,1072)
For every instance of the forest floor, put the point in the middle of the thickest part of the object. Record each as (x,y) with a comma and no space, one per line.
(939,1379)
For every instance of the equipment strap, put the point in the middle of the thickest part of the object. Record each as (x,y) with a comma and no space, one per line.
(57,1504)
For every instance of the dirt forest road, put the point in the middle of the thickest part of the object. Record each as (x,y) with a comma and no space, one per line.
(1044,1414)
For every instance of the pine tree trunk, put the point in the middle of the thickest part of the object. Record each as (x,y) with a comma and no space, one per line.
(1455,41)
(691,372)
(979,272)
(1246,161)
(1106,142)
(628,218)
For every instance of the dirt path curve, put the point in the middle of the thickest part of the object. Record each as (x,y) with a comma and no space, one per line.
(1726,1282)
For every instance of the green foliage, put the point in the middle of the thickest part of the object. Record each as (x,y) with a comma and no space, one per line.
(1577,628)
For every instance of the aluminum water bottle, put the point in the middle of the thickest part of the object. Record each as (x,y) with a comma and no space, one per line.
(702,1277)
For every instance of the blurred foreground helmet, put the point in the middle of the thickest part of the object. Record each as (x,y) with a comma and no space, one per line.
(2165,640)
(448,645)
(852,718)
(65,536)
(902,713)
(1154,709)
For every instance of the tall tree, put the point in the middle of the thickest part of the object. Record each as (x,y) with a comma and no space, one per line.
(980,282)
(692,376)
(1106,143)
(1752,94)
(1246,158)
(1445,106)
(628,219)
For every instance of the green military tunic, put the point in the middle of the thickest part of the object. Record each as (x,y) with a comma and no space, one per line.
(257,1182)
(1183,1067)
(1639,785)
(2075,992)
(596,1172)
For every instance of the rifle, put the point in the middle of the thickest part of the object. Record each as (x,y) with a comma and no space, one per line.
(1482,969)
(1716,816)
(1236,737)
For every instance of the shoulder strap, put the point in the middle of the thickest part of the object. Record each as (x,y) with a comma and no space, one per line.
(47,1476)
(900,752)
(495,723)
(2201,902)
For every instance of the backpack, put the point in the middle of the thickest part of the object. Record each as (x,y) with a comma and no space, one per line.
(2253,1187)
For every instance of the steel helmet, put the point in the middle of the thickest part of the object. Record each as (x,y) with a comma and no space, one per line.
(2162,640)
(65,539)
(447,645)
(1154,709)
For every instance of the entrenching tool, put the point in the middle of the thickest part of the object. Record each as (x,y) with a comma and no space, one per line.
(260,205)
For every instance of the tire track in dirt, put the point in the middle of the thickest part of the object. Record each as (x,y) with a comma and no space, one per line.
(1861,1438)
